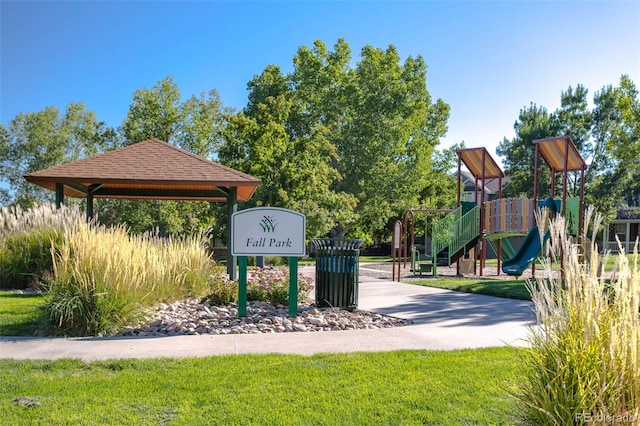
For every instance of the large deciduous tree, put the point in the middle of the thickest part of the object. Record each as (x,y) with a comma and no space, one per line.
(293,160)
(194,125)
(350,147)
(615,172)
(46,138)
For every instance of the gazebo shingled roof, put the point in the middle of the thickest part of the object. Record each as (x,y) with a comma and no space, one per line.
(151,169)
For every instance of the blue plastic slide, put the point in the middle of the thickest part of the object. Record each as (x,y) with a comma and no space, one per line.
(530,248)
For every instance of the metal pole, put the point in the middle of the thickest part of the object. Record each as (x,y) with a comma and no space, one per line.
(483,242)
(232,207)
(581,211)
(500,240)
(242,287)
(293,287)
(565,178)
(535,197)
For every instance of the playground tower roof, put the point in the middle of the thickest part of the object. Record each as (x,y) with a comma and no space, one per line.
(480,163)
(560,154)
(482,166)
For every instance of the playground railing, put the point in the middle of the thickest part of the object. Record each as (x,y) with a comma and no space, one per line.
(455,231)
(466,229)
(443,231)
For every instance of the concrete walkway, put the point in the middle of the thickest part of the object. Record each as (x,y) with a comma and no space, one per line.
(443,320)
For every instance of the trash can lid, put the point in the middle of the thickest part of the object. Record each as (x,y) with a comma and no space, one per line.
(344,243)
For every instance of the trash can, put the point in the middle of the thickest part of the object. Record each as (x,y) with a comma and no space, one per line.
(337,272)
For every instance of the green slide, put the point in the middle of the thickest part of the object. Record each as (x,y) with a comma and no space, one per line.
(530,248)
(506,249)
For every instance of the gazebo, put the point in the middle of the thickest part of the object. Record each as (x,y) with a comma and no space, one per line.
(149,170)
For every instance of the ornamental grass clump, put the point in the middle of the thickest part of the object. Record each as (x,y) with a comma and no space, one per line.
(26,237)
(583,363)
(105,278)
(272,285)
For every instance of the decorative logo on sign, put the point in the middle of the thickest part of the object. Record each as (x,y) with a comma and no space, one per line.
(268,224)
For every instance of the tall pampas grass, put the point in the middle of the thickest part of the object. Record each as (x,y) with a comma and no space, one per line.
(105,278)
(26,237)
(583,364)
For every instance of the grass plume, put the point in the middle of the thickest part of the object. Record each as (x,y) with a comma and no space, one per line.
(104,278)
(583,362)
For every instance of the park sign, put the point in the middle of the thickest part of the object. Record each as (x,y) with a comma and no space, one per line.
(268,231)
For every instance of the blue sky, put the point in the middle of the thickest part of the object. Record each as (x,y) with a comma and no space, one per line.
(485,59)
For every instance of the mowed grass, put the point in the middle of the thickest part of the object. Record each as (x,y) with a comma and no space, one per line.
(19,313)
(511,289)
(404,387)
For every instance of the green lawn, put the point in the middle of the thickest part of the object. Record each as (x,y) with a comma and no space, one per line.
(406,387)
(19,313)
(511,289)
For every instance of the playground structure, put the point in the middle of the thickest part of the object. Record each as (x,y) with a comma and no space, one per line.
(462,236)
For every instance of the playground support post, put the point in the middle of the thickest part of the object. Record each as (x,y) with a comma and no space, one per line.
(396,251)
(535,194)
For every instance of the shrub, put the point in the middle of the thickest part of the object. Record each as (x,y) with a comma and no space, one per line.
(272,285)
(105,278)
(583,362)
(222,290)
(26,238)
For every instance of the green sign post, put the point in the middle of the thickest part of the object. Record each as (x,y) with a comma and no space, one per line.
(268,231)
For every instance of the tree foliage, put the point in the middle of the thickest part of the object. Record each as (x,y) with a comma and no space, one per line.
(46,138)
(350,147)
(533,123)
(607,136)
(194,125)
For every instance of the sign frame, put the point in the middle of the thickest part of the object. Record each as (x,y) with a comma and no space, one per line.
(268,231)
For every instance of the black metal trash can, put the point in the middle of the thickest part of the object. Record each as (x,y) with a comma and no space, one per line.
(337,272)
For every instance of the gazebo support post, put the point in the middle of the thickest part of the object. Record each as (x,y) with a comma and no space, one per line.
(232,207)
(89,206)
(90,191)
(59,195)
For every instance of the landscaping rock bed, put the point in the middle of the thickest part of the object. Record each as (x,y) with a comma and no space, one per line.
(190,317)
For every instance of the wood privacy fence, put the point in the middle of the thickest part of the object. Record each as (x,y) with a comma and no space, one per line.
(509,215)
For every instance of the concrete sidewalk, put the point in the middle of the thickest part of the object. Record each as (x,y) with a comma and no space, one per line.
(443,320)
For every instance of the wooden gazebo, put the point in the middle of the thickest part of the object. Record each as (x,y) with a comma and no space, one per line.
(148,170)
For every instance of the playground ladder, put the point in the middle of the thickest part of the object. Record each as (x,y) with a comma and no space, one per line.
(455,232)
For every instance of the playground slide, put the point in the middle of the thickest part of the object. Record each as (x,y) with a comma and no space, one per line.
(527,253)
(530,248)
(506,249)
